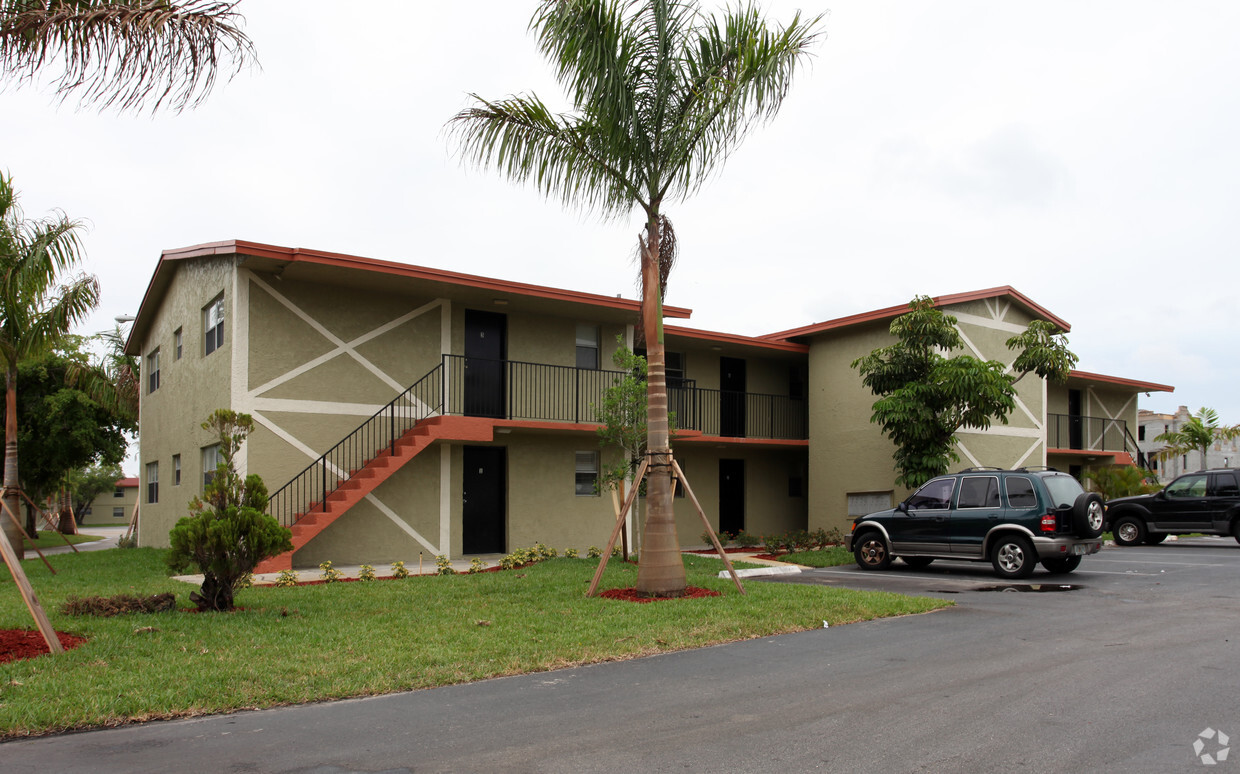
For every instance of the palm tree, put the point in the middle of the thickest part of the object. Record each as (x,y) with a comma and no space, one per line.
(1198,434)
(662,93)
(123,53)
(35,313)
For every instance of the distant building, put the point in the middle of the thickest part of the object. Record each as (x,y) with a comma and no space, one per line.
(115,507)
(1151,425)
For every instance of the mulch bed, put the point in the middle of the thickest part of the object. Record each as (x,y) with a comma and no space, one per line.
(630,594)
(18,644)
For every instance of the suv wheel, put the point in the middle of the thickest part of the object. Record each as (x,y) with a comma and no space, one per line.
(1088,514)
(870,551)
(1013,557)
(1128,531)
(1061,566)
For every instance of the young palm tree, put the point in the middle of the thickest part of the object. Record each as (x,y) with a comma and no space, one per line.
(122,53)
(1198,434)
(662,93)
(35,313)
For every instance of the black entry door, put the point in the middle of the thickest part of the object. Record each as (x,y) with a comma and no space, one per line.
(486,348)
(1076,435)
(732,397)
(731,496)
(484,486)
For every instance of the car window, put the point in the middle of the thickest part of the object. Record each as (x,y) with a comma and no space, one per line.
(1187,486)
(1063,489)
(1225,485)
(934,495)
(979,492)
(1020,492)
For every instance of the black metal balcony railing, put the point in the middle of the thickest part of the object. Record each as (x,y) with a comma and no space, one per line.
(510,389)
(1066,431)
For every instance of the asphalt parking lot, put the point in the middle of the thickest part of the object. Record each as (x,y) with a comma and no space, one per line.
(1123,672)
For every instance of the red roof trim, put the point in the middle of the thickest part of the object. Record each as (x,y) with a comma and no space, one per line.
(127,482)
(733,338)
(298,254)
(892,312)
(1141,386)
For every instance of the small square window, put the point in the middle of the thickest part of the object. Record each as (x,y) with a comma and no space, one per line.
(177,340)
(118,492)
(118,513)
(176,470)
(152,482)
(586,480)
(213,325)
(152,371)
(587,346)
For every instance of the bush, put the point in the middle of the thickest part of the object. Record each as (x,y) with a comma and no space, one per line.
(119,604)
(329,574)
(365,573)
(476,565)
(571,553)
(227,533)
(286,579)
(443,565)
(746,540)
(594,552)
(399,570)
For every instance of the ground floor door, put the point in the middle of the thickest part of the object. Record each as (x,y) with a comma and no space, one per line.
(731,496)
(484,498)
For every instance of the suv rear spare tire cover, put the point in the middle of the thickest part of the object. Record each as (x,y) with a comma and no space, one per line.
(1088,515)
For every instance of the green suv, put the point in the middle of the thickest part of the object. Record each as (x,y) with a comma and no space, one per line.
(1013,519)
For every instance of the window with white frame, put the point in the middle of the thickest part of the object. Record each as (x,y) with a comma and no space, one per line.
(587,346)
(118,513)
(213,325)
(152,482)
(587,473)
(178,341)
(211,460)
(152,371)
(176,470)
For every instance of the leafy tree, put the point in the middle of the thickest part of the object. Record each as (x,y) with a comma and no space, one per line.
(35,312)
(662,93)
(113,380)
(1122,480)
(925,396)
(1198,434)
(86,484)
(60,428)
(228,531)
(122,53)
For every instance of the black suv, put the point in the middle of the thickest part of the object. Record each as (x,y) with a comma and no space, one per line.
(1207,501)
(1011,518)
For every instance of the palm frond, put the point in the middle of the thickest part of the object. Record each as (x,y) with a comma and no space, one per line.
(123,53)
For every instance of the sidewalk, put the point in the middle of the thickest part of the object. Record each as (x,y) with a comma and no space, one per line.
(110,536)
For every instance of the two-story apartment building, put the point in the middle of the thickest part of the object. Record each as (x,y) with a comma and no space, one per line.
(447,413)
(114,508)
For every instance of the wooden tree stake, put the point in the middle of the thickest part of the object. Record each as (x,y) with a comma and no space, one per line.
(23,584)
(709,529)
(611,542)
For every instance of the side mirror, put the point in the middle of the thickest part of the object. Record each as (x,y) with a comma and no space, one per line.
(902,506)
(1161,494)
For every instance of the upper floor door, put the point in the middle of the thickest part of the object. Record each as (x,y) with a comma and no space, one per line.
(486,349)
(732,397)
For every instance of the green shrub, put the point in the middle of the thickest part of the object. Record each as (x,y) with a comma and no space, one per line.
(571,553)
(227,533)
(399,570)
(476,565)
(443,565)
(594,552)
(329,574)
(286,579)
(365,573)
(746,540)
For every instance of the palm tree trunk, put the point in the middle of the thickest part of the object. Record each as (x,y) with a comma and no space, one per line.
(661,570)
(11,528)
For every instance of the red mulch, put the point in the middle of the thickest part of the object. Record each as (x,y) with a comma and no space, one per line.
(17,644)
(630,594)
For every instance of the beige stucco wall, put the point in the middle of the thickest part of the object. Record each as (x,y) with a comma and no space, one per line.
(190,389)
(768,507)
(103,506)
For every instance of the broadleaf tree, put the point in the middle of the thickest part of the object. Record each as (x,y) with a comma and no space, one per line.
(925,396)
(1198,434)
(662,92)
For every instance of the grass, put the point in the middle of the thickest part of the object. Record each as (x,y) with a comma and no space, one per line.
(312,643)
(50,539)
(832,556)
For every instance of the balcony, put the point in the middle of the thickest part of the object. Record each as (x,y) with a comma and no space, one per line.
(1080,433)
(510,389)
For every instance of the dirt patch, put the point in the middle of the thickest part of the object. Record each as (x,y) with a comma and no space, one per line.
(18,644)
(630,594)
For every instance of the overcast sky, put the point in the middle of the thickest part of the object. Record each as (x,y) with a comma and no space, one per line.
(1085,153)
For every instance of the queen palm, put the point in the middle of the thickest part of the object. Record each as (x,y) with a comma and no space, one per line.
(662,93)
(122,53)
(1198,434)
(35,312)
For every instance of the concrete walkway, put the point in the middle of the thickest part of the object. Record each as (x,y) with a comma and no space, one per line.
(110,535)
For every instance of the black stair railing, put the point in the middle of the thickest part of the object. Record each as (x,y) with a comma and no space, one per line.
(310,489)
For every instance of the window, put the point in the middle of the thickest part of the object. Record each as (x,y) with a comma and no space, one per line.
(1141,433)
(979,492)
(118,513)
(1187,486)
(176,470)
(213,325)
(673,366)
(176,337)
(1225,485)
(211,460)
(152,371)
(587,473)
(933,496)
(1020,492)
(152,482)
(118,492)
(587,346)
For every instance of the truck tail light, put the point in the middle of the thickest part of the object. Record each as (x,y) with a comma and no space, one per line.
(1049,522)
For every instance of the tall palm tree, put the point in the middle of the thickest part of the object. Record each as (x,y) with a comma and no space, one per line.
(123,53)
(1198,434)
(662,93)
(35,312)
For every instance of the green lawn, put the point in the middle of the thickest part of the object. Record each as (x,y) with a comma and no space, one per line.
(312,643)
(49,539)
(832,556)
